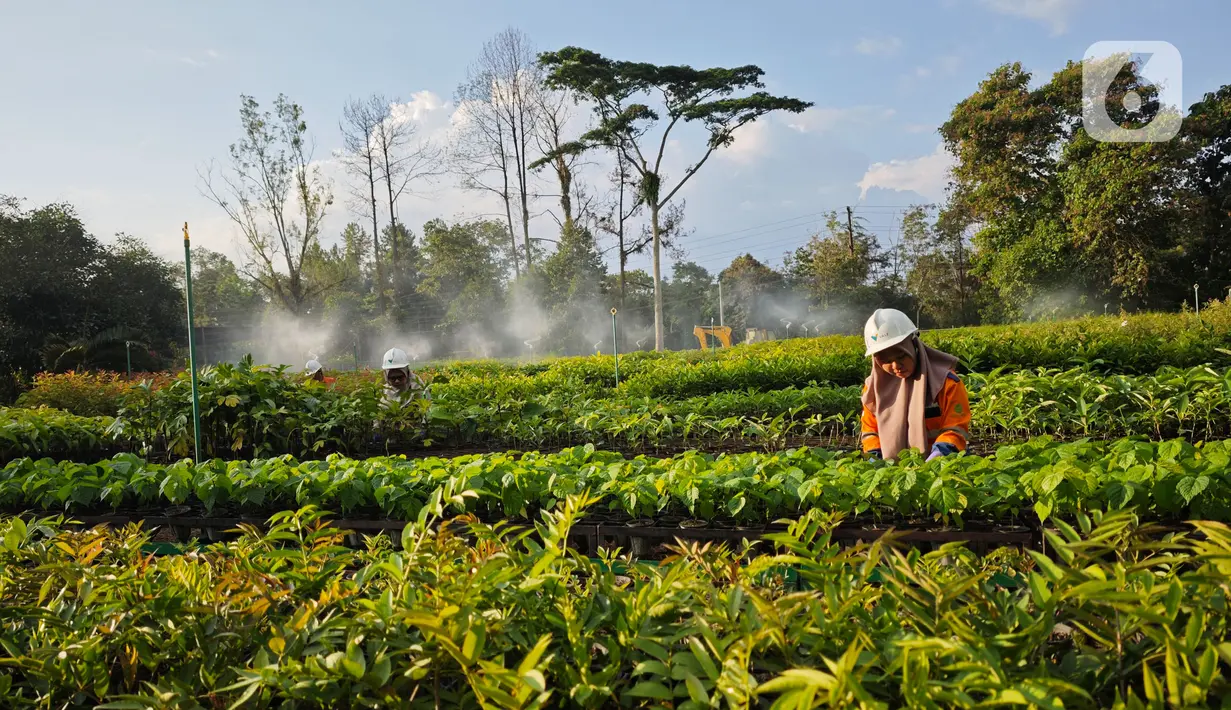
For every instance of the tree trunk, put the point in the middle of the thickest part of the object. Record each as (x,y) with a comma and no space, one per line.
(380,272)
(659,334)
(519,162)
(508,215)
(393,235)
(566,188)
(620,237)
(623,269)
(525,228)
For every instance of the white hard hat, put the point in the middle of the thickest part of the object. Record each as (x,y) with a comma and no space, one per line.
(312,367)
(395,359)
(887,327)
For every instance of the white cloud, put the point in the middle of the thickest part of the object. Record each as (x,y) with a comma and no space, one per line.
(752,142)
(1055,13)
(823,120)
(949,64)
(942,66)
(423,107)
(926,175)
(878,46)
(198,60)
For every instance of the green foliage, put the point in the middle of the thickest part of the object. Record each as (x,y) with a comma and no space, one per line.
(1046,378)
(220,293)
(51,432)
(83,393)
(497,619)
(750,291)
(249,408)
(60,285)
(1060,214)
(464,271)
(571,281)
(1167,480)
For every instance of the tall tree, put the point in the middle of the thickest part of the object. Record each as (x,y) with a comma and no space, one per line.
(625,203)
(353,302)
(571,288)
(827,269)
(500,107)
(691,300)
(554,110)
(936,277)
(687,95)
(402,160)
(360,119)
(221,295)
(62,288)
(463,271)
(1056,213)
(1207,240)
(749,288)
(277,198)
(49,259)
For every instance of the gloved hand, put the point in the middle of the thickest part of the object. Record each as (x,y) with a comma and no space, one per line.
(941,449)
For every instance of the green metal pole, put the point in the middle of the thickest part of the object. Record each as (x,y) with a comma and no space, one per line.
(192,349)
(128,352)
(615,346)
(355,344)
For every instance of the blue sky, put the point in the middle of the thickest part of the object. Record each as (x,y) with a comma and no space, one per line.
(115,106)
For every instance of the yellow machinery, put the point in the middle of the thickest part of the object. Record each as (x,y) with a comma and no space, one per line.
(720,333)
(759,335)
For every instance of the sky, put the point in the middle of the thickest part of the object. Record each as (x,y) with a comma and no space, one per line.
(117,107)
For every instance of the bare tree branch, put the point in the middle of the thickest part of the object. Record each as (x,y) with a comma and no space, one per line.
(275,195)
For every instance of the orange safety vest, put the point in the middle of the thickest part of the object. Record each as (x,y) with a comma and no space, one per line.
(947,421)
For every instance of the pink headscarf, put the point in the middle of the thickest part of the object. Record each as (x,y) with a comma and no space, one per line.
(899,403)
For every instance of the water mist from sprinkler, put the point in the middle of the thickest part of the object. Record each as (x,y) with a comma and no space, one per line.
(787,323)
(530,344)
(808,325)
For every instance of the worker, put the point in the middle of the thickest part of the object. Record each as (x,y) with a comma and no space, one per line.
(315,371)
(913,399)
(401,383)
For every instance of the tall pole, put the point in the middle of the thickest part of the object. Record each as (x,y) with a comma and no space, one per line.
(721,318)
(850,229)
(192,349)
(128,353)
(615,346)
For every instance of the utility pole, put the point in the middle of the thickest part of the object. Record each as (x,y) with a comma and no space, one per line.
(850,229)
(722,319)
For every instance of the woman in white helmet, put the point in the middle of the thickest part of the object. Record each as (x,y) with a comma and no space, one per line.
(401,383)
(913,399)
(315,371)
